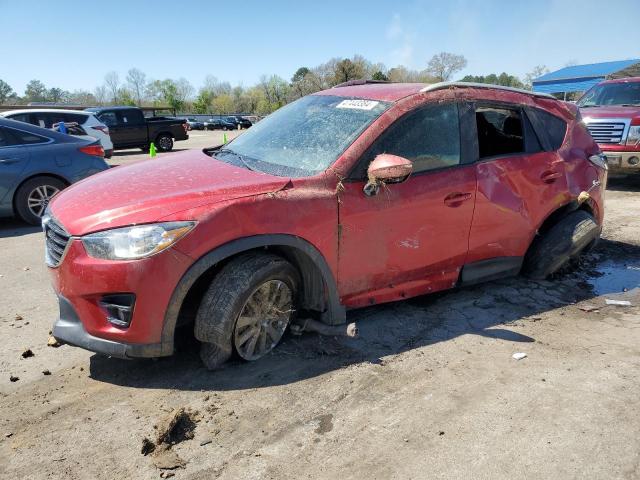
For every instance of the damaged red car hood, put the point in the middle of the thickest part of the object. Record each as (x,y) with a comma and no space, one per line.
(147,191)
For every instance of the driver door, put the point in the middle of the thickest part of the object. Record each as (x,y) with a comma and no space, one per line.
(411,237)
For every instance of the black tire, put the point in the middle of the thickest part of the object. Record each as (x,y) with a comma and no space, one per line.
(164,142)
(226,297)
(27,190)
(565,240)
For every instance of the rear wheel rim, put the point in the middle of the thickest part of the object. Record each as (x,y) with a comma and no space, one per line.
(165,143)
(39,198)
(263,319)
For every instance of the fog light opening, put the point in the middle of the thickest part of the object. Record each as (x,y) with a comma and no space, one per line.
(633,160)
(118,308)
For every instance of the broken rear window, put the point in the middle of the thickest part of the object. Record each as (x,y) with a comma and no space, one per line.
(500,131)
(304,137)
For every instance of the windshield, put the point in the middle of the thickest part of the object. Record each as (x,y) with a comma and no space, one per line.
(304,137)
(611,94)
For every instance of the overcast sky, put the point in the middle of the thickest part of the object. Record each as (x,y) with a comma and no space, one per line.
(72,44)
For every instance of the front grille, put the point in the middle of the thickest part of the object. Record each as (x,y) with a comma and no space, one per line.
(56,241)
(607,132)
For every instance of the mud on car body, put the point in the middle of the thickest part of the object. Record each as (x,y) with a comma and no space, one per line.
(353,196)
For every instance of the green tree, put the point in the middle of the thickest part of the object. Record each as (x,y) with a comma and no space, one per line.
(380,76)
(443,65)
(35,91)
(5,91)
(57,95)
(202,104)
(346,70)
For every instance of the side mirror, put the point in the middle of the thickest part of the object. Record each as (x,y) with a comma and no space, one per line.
(386,168)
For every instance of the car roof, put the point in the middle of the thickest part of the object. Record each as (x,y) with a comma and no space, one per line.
(384,92)
(44,110)
(393,92)
(100,109)
(623,80)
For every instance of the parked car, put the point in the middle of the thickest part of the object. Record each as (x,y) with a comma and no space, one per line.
(194,124)
(350,197)
(35,164)
(130,129)
(47,117)
(239,121)
(220,124)
(611,110)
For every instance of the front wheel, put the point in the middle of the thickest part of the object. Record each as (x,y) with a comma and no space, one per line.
(562,242)
(34,195)
(246,309)
(164,143)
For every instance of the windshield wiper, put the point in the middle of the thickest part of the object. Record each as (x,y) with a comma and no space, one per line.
(630,104)
(588,106)
(238,156)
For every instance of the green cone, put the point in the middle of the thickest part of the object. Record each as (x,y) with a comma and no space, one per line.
(224,138)
(152,150)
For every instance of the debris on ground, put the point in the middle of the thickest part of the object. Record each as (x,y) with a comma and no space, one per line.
(46,372)
(167,474)
(179,425)
(18,317)
(8,435)
(53,342)
(28,353)
(620,303)
(519,355)
(588,308)
(13,378)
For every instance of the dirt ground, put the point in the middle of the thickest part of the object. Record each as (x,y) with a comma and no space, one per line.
(428,390)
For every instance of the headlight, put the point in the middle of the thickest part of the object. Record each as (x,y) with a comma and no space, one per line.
(633,137)
(140,241)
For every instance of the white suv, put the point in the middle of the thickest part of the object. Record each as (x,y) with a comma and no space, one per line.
(46,117)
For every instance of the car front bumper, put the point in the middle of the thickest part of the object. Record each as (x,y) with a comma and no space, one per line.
(623,161)
(82,284)
(68,329)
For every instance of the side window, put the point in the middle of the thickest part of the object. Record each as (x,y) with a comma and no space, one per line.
(130,117)
(554,127)
(21,117)
(75,117)
(429,137)
(40,119)
(108,118)
(6,139)
(500,131)
(26,138)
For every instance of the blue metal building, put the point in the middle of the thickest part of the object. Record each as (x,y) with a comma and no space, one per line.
(579,78)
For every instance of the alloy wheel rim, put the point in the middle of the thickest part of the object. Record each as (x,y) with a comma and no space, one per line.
(165,142)
(263,319)
(39,198)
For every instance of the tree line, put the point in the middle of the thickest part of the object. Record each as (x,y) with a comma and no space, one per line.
(270,93)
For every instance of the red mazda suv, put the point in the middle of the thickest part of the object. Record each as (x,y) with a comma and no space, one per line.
(358,195)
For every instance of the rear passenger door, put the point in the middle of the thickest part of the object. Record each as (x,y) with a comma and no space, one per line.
(521,178)
(13,160)
(132,127)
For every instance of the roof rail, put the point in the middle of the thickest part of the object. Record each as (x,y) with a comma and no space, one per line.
(443,85)
(360,81)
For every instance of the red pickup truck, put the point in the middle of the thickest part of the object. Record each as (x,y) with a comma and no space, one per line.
(611,111)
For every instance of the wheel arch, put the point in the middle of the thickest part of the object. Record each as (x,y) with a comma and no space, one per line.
(558,214)
(320,290)
(31,177)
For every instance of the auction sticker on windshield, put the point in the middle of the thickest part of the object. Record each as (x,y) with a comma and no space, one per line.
(358,104)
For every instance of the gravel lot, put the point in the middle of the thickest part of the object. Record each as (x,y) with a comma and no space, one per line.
(428,390)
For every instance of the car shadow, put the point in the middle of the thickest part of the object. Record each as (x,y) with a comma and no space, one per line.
(489,310)
(11,227)
(624,183)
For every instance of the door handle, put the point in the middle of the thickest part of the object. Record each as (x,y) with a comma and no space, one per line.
(549,176)
(456,199)
(8,161)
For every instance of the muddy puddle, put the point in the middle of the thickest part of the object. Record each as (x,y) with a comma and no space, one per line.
(615,277)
